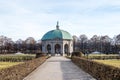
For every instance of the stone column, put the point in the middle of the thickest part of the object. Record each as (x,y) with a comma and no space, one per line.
(61,49)
(71,47)
(52,49)
(43,47)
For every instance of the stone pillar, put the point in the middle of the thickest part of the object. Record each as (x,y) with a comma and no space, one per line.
(61,49)
(52,49)
(71,47)
(43,47)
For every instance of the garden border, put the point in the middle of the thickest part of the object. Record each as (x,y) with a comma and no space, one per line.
(18,72)
(98,70)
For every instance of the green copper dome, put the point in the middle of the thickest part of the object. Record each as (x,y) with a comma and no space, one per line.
(57,34)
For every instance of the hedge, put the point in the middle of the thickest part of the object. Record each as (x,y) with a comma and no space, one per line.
(19,71)
(98,70)
(79,54)
(16,58)
(102,57)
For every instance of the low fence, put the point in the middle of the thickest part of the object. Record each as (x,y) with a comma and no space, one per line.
(98,70)
(18,72)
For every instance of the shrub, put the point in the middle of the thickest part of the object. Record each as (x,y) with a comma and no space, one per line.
(18,72)
(79,54)
(16,58)
(103,57)
(98,70)
(40,54)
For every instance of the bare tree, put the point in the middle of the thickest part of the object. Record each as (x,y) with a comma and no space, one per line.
(83,40)
(75,43)
(117,43)
(30,44)
(6,44)
(95,42)
(19,45)
(105,42)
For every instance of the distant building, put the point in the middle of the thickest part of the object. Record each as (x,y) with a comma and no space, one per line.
(57,42)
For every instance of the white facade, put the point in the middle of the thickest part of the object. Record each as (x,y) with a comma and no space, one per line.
(62,47)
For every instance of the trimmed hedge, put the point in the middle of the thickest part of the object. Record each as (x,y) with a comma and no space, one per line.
(40,54)
(98,70)
(19,71)
(79,54)
(102,57)
(17,58)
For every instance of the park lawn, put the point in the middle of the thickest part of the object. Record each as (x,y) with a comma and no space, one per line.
(16,58)
(103,55)
(115,63)
(8,64)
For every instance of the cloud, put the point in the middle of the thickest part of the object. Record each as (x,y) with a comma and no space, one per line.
(25,18)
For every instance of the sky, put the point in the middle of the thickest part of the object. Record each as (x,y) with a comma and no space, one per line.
(20,19)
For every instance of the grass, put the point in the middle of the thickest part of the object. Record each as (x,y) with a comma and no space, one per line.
(103,55)
(16,58)
(68,57)
(17,54)
(8,60)
(115,63)
(8,64)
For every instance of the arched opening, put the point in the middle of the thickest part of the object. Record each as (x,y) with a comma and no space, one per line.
(57,49)
(49,48)
(66,49)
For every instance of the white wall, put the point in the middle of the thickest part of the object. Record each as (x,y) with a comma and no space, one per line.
(54,42)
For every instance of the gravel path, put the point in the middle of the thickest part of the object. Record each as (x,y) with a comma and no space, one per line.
(58,68)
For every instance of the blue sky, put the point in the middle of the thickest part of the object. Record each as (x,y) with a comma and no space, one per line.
(20,19)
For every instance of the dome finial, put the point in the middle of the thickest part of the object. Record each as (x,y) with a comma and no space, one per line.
(57,26)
